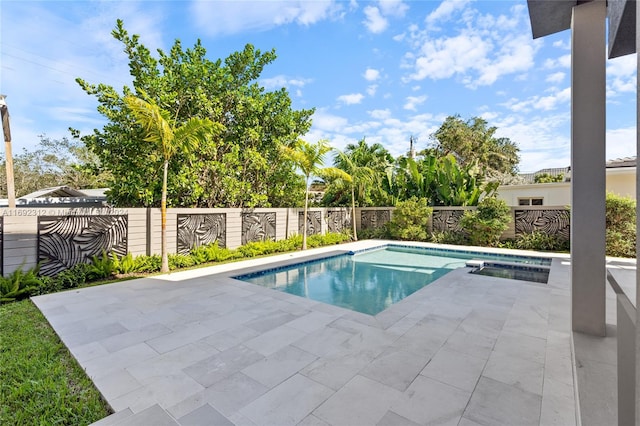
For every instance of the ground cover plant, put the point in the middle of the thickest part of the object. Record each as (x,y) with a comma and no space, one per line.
(41,383)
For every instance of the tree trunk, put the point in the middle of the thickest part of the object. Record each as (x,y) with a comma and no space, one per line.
(353,213)
(304,225)
(163,215)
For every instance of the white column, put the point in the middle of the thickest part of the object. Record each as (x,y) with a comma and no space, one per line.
(588,273)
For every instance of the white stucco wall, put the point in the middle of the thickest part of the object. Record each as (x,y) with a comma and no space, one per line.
(553,194)
(622,181)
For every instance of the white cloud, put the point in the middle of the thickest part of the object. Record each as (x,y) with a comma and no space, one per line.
(324,121)
(542,138)
(562,44)
(380,114)
(351,99)
(371,74)
(281,80)
(621,143)
(621,75)
(412,102)
(395,8)
(445,10)
(556,77)
(548,103)
(545,103)
(479,51)
(372,89)
(375,22)
(563,61)
(232,17)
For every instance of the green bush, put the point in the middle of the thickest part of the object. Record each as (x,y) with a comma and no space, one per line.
(215,253)
(327,239)
(19,284)
(76,276)
(379,233)
(124,264)
(410,220)
(620,226)
(101,267)
(199,255)
(485,225)
(449,237)
(541,241)
(148,263)
(177,261)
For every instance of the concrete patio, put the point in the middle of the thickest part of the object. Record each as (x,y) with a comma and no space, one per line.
(196,348)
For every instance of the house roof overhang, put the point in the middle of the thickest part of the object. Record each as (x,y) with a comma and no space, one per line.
(552,16)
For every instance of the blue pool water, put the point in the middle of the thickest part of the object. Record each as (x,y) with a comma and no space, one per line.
(369,281)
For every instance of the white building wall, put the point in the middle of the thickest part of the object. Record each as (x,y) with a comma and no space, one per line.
(553,194)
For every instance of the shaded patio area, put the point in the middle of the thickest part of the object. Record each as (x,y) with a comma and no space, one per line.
(198,347)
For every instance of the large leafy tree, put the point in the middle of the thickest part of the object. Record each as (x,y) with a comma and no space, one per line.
(168,139)
(474,141)
(243,167)
(54,162)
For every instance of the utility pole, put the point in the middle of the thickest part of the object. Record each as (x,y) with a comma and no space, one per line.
(4,112)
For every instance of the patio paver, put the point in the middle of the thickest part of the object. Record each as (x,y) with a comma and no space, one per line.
(197,347)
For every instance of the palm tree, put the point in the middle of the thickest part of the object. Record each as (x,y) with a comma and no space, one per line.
(378,159)
(308,158)
(353,176)
(169,140)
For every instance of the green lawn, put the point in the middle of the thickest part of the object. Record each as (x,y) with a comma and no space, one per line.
(40,382)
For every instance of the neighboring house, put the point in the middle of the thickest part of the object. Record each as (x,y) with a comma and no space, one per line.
(620,178)
(61,196)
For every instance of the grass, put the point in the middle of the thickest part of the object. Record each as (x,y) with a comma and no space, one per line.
(40,382)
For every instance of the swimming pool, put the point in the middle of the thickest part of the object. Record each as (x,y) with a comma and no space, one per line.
(370,281)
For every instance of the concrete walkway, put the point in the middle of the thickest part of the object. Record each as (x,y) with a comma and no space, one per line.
(194,348)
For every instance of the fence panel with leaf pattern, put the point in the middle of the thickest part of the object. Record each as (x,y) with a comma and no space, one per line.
(60,238)
(64,241)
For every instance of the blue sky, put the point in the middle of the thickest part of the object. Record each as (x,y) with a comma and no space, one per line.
(383,70)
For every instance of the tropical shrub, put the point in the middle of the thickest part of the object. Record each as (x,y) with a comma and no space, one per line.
(485,225)
(620,226)
(177,261)
(410,220)
(101,267)
(125,264)
(328,239)
(449,237)
(19,284)
(76,276)
(148,263)
(381,232)
(541,241)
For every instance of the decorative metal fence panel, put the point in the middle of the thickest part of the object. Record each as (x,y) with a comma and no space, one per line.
(338,220)
(372,219)
(446,220)
(195,230)
(314,223)
(65,241)
(553,222)
(258,227)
